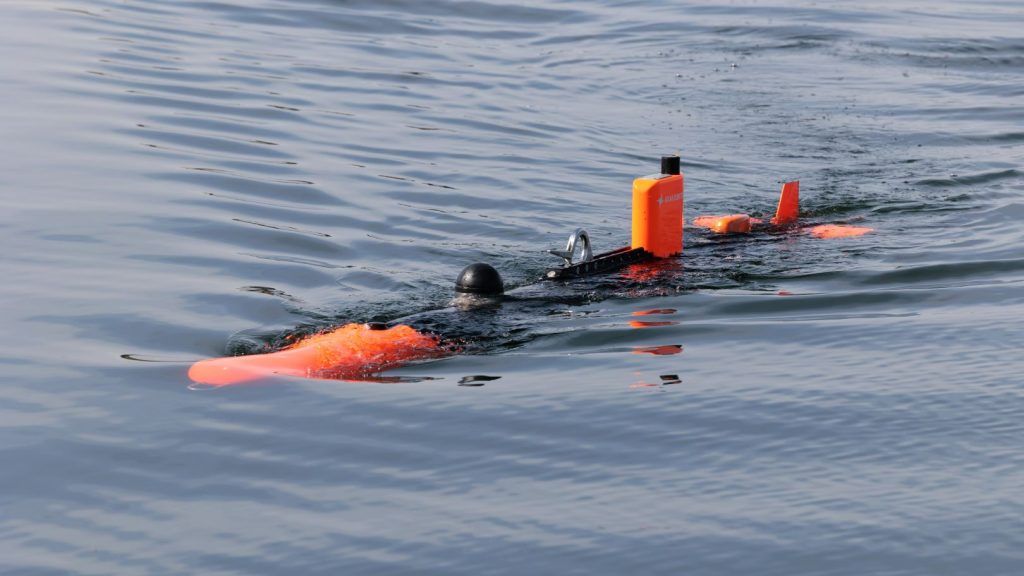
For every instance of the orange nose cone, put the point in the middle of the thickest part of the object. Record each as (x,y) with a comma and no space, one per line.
(238,369)
(351,350)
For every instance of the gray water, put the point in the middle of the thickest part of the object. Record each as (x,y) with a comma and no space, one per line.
(189,179)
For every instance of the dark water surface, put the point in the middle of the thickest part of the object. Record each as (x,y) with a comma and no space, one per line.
(184,179)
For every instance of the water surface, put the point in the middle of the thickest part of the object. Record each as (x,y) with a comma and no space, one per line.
(187,179)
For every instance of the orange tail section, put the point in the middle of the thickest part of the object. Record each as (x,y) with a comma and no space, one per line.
(789,204)
(352,350)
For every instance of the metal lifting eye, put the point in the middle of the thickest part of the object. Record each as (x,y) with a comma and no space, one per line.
(570,248)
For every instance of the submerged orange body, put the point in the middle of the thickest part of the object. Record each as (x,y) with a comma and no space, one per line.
(839,231)
(352,350)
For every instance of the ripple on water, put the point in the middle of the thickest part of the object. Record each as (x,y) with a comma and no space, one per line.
(195,179)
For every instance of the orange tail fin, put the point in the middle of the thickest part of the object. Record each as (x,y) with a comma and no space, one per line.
(789,204)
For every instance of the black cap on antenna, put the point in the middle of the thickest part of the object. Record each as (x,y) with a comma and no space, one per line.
(670,164)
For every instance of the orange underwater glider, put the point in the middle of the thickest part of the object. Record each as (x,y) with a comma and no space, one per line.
(355,351)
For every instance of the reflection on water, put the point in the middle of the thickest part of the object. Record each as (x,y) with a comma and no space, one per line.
(476,380)
(665,350)
(664,380)
(651,323)
(655,311)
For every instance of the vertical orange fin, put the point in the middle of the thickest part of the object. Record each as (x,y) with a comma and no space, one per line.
(789,204)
